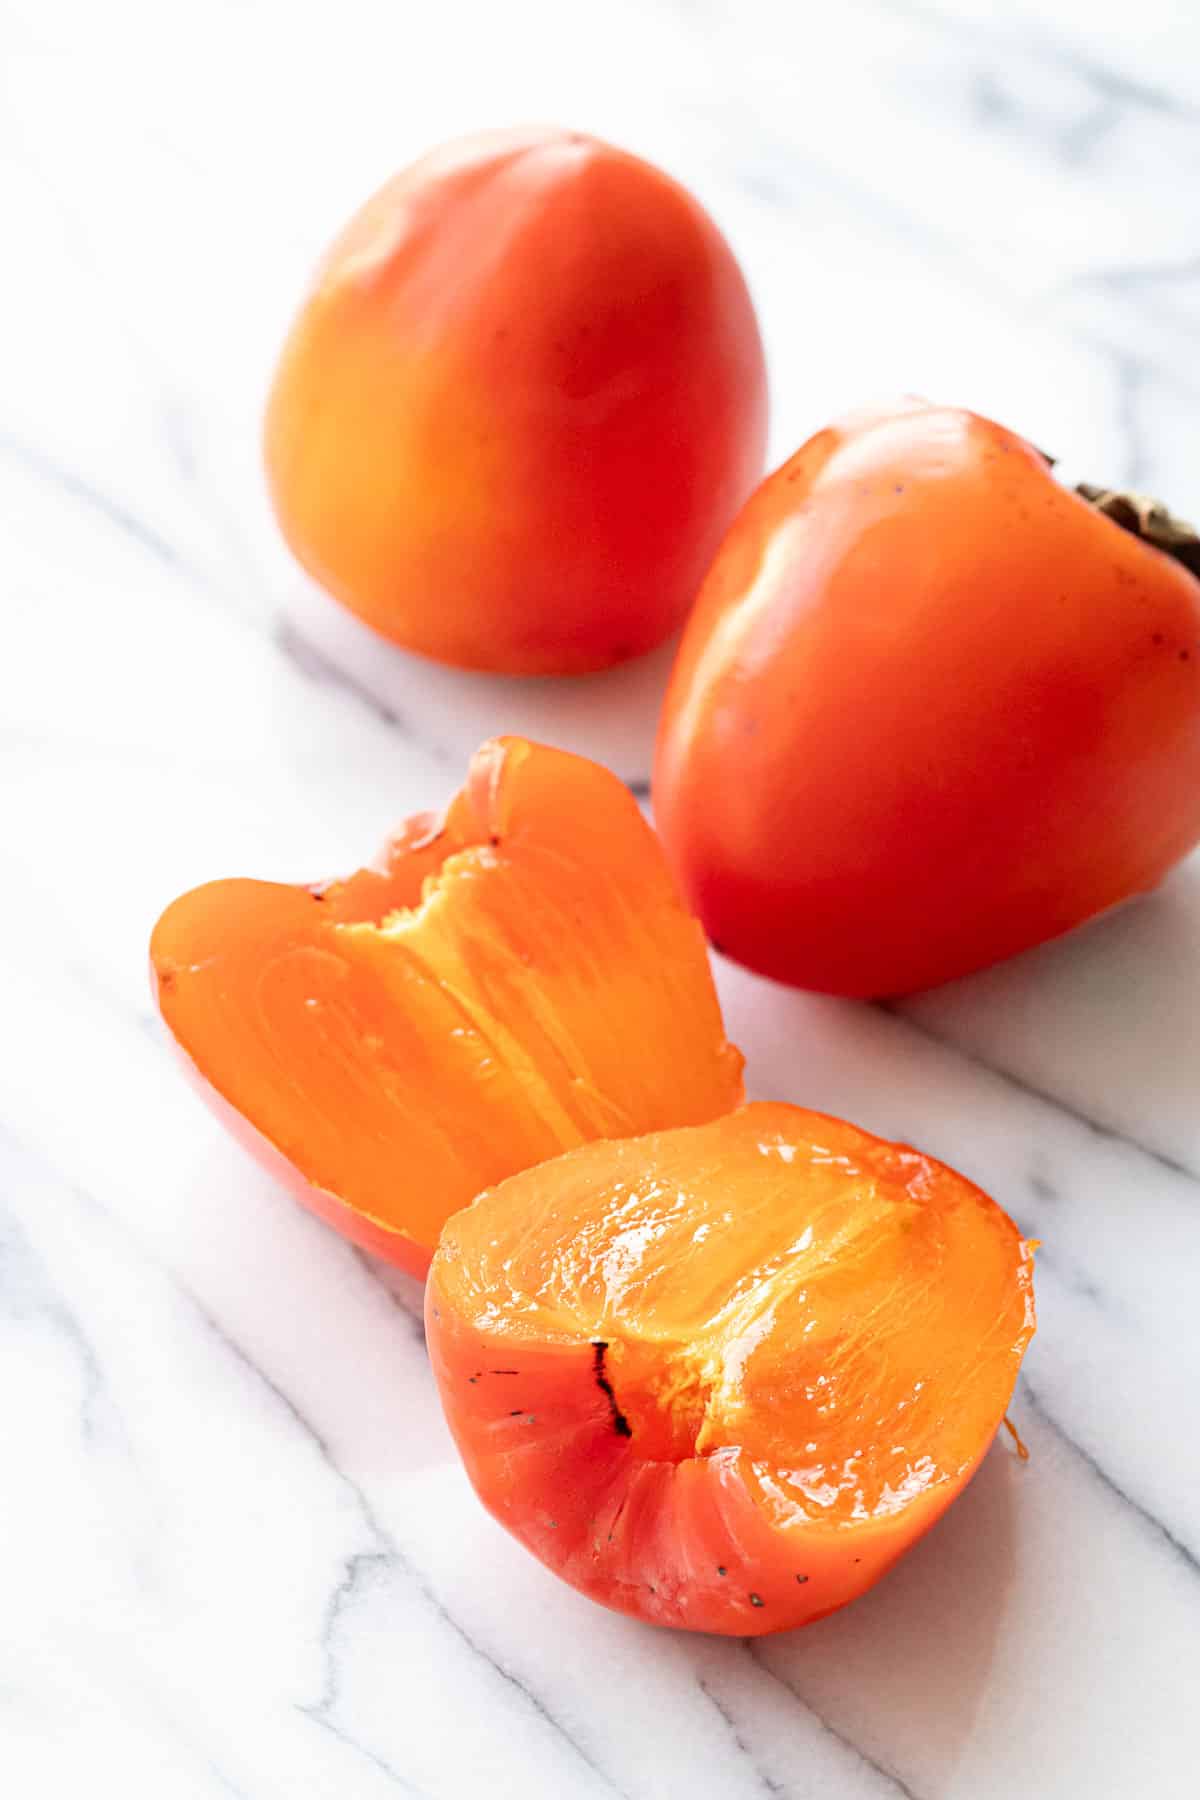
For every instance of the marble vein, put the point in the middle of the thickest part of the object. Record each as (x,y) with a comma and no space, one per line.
(767,1783)
(1017,38)
(1187,1557)
(1130,376)
(315,666)
(25,1285)
(387,1557)
(387,1769)
(82,492)
(1139,276)
(895,1783)
(1095,1126)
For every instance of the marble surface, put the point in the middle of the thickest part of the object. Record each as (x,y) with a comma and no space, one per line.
(236,1556)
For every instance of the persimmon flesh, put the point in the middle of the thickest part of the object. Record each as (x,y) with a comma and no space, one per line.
(510,982)
(722,1377)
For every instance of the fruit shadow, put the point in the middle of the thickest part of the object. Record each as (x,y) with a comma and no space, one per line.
(611,716)
(1104,1023)
(908,1664)
(1106,1019)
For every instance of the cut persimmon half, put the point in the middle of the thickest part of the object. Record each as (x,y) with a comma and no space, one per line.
(723,1377)
(507,983)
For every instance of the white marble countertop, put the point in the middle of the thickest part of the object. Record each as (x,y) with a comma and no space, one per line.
(236,1556)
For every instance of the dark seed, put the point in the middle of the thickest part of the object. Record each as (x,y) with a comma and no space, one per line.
(721,1570)
(756,1600)
(802,1579)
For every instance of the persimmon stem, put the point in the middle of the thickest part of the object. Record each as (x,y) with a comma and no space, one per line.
(1022,1448)
(1147,519)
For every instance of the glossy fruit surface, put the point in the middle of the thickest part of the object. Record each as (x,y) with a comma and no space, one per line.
(931,709)
(521,403)
(723,1377)
(510,981)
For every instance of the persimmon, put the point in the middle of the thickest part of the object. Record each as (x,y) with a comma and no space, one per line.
(722,1377)
(932,707)
(508,982)
(522,401)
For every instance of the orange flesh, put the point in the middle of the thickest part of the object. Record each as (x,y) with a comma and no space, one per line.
(750,1362)
(511,983)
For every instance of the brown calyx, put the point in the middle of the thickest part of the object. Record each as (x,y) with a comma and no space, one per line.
(1147,519)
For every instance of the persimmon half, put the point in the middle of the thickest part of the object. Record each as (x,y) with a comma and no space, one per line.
(723,1377)
(508,982)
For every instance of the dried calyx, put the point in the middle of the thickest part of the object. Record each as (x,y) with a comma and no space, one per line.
(1147,519)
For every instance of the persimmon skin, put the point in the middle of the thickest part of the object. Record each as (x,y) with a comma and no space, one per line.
(722,1377)
(508,981)
(930,710)
(522,401)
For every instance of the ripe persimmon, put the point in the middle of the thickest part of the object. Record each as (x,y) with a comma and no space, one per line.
(508,982)
(519,406)
(932,707)
(722,1377)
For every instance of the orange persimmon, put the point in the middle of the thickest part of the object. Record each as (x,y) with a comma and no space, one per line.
(509,982)
(932,708)
(722,1377)
(521,403)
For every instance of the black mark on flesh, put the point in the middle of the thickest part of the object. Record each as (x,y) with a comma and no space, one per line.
(621,1424)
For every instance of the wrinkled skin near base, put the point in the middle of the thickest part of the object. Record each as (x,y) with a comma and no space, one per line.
(511,981)
(721,1378)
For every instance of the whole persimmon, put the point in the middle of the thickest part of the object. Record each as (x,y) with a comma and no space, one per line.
(519,406)
(932,707)
(722,1377)
(510,980)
